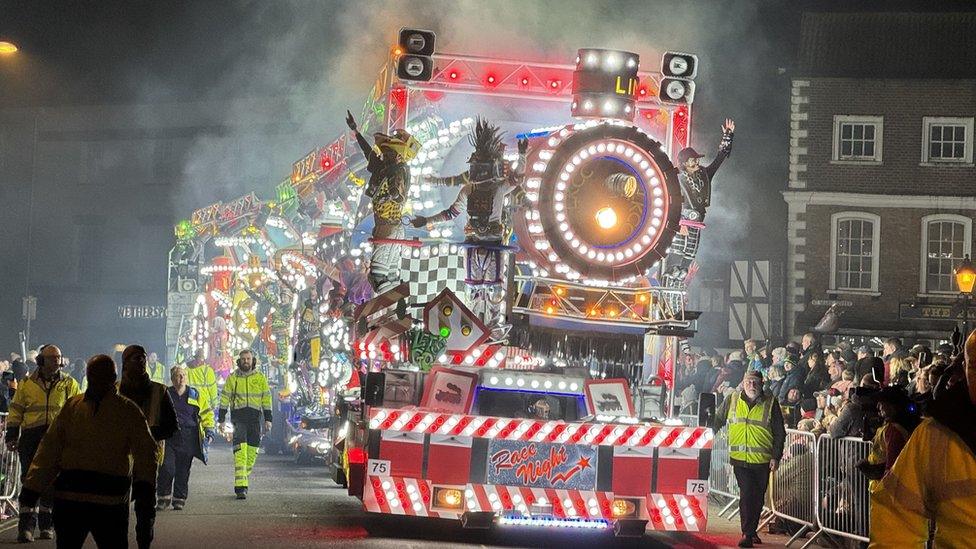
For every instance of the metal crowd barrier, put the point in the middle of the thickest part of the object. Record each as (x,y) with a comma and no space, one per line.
(843,500)
(791,495)
(815,487)
(721,479)
(9,474)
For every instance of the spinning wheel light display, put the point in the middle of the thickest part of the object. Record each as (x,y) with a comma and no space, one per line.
(605,202)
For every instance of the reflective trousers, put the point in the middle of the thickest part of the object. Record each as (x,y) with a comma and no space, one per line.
(247,440)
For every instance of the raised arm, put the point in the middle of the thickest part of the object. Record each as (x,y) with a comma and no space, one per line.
(371,156)
(724,147)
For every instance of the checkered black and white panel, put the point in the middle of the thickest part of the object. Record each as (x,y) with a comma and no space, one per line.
(429,270)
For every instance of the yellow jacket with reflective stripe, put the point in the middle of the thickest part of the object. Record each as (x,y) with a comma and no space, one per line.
(36,403)
(157,372)
(205,380)
(245,390)
(750,435)
(934,478)
(93,454)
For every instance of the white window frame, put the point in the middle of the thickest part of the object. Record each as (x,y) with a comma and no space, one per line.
(875,251)
(928,122)
(877,121)
(924,252)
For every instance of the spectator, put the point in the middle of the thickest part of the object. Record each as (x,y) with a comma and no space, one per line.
(846,353)
(932,481)
(776,377)
(31,361)
(156,369)
(859,409)
(795,376)
(835,367)
(817,378)
(731,375)
(753,358)
(845,383)
(6,383)
(810,346)
(18,367)
(897,371)
(791,408)
(891,346)
(890,438)
(867,367)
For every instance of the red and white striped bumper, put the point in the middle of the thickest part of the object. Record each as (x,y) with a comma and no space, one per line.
(414,497)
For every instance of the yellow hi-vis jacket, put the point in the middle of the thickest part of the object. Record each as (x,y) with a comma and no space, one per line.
(245,391)
(93,454)
(205,380)
(158,372)
(934,478)
(750,434)
(37,403)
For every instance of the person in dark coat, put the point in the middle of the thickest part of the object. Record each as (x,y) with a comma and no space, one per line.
(795,376)
(810,346)
(850,422)
(18,367)
(818,377)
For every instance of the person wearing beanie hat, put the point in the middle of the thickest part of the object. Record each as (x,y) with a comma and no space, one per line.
(160,414)
(96,452)
(757,435)
(933,479)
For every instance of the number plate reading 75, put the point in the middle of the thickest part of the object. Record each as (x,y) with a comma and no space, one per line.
(696,487)
(378,467)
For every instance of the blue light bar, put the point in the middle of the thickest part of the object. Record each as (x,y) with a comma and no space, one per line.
(555,522)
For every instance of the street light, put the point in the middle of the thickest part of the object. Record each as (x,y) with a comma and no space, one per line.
(965,280)
(7,48)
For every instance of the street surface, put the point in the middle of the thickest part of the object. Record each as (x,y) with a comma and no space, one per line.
(292,507)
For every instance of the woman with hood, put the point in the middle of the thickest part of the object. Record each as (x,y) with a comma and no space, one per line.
(793,379)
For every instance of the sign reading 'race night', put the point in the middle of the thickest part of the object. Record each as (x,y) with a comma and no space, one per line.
(542,465)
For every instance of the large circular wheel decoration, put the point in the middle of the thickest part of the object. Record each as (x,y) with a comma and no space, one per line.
(608,202)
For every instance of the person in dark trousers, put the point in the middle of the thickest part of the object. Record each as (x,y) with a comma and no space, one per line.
(696,180)
(248,398)
(157,407)
(35,406)
(196,433)
(97,450)
(756,438)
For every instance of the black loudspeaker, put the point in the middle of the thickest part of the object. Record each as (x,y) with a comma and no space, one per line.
(416,48)
(373,389)
(706,409)
(679,65)
(676,91)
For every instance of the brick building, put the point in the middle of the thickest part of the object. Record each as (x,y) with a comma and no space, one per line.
(882,186)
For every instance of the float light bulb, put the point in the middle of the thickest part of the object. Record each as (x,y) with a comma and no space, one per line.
(7,48)
(606,218)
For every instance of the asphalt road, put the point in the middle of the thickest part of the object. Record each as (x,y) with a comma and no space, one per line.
(292,507)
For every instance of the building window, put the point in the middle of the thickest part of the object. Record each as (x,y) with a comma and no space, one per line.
(858,138)
(854,239)
(946,240)
(947,140)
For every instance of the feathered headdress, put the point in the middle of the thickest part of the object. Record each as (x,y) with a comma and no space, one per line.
(487,142)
